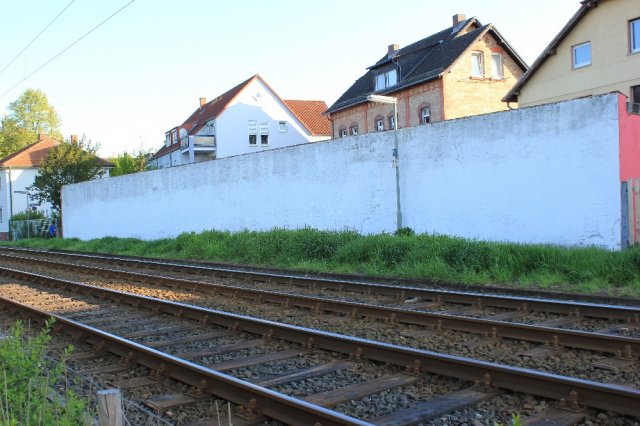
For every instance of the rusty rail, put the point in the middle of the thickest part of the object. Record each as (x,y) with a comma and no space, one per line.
(205,380)
(564,307)
(614,398)
(497,329)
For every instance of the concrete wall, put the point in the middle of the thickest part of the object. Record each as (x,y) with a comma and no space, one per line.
(629,142)
(548,174)
(613,67)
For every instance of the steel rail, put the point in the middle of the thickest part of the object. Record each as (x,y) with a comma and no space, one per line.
(563,307)
(619,399)
(204,380)
(496,329)
(229,268)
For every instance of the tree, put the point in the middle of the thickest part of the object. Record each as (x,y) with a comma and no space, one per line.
(126,163)
(65,164)
(29,115)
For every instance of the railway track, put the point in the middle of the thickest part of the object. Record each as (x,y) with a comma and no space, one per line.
(622,350)
(376,286)
(389,367)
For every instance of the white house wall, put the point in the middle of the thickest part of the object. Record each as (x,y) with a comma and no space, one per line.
(20,180)
(256,102)
(545,174)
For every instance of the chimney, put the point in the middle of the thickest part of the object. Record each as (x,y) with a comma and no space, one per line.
(458,18)
(203,102)
(393,48)
(74,139)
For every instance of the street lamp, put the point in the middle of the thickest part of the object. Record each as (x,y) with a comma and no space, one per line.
(396,163)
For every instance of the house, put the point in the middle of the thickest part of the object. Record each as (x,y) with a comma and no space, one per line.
(463,70)
(18,172)
(248,118)
(596,52)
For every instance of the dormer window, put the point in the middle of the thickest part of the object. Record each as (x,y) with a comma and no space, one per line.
(386,79)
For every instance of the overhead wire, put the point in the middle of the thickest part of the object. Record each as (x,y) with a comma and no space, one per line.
(37,36)
(66,48)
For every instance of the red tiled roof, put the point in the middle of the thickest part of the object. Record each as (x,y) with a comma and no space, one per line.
(212,109)
(32,155)
(310,115)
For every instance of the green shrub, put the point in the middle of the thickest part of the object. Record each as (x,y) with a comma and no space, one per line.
(29,382)
(28,215)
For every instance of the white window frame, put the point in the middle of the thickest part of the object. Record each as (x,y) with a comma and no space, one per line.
(343,133)
(386,79)
(282,126)
(253,131)
(380,125)
(576,65)
(392,122)
(264,134)
(425,118)
(634,29)
(354,130)
(477,57)
(497,67)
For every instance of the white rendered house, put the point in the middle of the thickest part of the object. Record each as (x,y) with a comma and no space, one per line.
(18,172)
(248,118)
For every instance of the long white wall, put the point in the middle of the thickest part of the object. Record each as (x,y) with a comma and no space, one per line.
(545,174)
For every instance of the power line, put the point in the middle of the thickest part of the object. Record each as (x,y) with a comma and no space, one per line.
(66,48)
(38,36)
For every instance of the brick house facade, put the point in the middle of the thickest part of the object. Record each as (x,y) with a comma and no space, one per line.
(463,70)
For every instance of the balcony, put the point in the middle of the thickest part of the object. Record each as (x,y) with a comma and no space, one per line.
(200,144)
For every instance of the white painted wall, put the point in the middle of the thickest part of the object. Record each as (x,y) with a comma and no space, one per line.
(545,174)
(256,102)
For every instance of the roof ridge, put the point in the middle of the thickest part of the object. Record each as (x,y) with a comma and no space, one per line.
(23,149)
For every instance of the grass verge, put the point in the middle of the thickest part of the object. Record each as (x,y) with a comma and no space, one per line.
(585,270)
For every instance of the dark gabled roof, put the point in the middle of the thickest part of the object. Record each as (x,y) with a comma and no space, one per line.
(422,61)
(587,5)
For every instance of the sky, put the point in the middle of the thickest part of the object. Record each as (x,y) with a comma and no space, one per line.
(143,71)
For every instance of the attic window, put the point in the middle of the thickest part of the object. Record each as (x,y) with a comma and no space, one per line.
(264,133)
(581,55)
(253,132)
(282,125)
(477,64)
(497,68)
(386,79)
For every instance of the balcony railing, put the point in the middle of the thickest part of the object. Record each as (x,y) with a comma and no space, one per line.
(199,143)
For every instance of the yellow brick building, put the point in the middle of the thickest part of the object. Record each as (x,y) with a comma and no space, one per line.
(463,70)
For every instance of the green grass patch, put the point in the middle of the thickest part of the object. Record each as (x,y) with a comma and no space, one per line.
(33,388)
(406,255)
